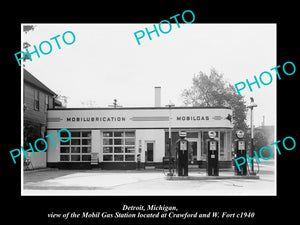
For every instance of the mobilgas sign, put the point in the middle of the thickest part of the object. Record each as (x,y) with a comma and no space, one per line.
(181,117)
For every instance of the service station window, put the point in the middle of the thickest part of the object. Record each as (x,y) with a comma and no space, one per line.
(78,149)
(119,146)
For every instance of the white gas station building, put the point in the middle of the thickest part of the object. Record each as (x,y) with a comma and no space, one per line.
(112,138)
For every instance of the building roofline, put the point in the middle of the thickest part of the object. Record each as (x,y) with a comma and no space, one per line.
(138,108)
(32,80)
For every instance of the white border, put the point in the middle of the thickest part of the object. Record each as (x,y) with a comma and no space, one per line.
(91,192)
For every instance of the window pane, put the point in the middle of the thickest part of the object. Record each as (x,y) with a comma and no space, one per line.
(64,149)
(118,149)
(86,134)
(118,141)
(75,157)
(118,157)
(107,141)
(118,134)
(75,134)
(86,158)
(129,134)
(107,134)
(129,157)
(64,158)
(80,143)
(107,158)
(65,143)
(64,134)
(75,149)
(75,141)
(129,141)
(86,149)
(36,104)
(86,141)
(107,149)
(129,150)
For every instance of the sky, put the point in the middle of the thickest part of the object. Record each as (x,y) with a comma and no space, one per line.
(105,62)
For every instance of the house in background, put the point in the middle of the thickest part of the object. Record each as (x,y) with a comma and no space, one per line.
(37,99)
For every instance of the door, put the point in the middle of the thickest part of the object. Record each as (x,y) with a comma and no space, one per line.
(193,152)
(150,151)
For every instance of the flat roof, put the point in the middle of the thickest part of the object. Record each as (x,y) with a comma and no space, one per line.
(136,108)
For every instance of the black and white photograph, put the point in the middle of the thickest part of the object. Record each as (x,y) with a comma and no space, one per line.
(120,101)
(165,116)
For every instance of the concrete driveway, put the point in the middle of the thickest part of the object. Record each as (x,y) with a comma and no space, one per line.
(144,182)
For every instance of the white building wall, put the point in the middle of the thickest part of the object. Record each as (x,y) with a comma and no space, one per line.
(38,160)
(229,146)
(157,135)
(96,143)
(53,151)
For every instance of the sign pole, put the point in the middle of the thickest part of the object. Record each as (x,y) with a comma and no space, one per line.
(170,138)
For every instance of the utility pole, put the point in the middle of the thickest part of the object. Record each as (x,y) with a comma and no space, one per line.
(170,105)
(115,104)
(251,106)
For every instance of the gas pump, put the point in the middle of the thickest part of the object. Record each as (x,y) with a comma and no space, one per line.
(240,151)
(182,154)
(212,155)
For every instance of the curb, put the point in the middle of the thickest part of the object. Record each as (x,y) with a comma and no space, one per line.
(38,170)
(251,177)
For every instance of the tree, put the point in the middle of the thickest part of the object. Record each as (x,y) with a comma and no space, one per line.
(26,29)
(260,140)
(212,90)
(62,98)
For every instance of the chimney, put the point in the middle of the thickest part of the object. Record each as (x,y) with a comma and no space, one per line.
(263,122)
(157,98)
